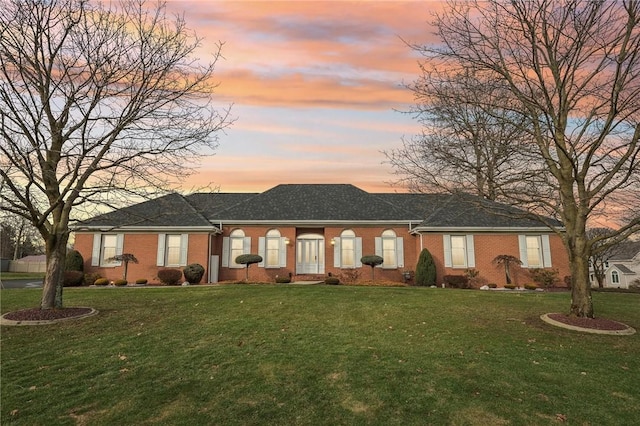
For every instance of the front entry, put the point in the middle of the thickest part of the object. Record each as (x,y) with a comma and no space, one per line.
(310,254)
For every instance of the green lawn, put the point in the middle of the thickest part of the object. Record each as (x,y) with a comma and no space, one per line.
(326,355)
(21,275)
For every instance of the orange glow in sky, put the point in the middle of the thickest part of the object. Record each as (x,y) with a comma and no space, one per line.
(316,87)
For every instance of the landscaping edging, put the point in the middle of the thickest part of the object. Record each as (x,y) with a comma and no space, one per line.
(625,332)
(5,321)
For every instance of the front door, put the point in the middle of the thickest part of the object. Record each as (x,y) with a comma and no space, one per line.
(310,254)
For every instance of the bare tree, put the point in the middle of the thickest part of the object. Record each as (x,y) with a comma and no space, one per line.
(18,238)
(469,140)
(97,100)
(571,69)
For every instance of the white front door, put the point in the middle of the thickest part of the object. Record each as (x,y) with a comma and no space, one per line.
(310,254)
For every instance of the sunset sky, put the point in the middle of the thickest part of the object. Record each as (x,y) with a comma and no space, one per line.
(316,87)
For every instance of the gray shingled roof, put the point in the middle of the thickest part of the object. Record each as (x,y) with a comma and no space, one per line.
(461,211)
(314,202)
(623,269)
(169,210)
(321,203)
(626,250)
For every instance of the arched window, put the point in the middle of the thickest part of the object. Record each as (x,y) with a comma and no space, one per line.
(389,253)
(615,278)
(272,249)
(236,246)
(348,249)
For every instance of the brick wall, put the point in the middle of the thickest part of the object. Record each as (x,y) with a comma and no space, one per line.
(144,246)
(487,247)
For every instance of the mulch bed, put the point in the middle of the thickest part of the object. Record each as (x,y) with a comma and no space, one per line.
(37,314)
(592,323)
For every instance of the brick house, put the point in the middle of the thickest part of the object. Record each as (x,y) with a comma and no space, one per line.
(309,231)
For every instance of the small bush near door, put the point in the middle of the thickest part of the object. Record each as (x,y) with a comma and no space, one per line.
(193,273)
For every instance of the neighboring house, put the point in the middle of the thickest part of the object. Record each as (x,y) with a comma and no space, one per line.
(622,268)
(309,231)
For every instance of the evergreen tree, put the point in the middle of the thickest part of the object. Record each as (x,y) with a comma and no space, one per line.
(426,269)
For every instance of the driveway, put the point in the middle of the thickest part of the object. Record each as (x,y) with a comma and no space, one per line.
(27,283)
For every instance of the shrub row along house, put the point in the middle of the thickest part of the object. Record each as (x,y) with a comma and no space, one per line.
(310,231)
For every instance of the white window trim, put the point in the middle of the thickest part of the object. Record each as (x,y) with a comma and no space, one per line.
(545,248)
(470,255)
(337,253)
(615,274)
(227,262)
(399,252)
(98,247)
(161,259)
(282,252)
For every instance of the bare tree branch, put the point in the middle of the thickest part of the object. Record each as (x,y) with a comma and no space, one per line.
(97,101)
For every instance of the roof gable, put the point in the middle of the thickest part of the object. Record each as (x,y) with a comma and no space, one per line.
(171,210)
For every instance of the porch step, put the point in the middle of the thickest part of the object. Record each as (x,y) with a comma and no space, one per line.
(307,279)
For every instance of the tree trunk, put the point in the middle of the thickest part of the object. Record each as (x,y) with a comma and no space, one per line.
(581,301)
(53,281)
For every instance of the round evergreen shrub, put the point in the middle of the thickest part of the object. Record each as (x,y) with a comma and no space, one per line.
(530,286)
(73,278)
(74,261)
(101,281)
(283,280)
(332,280)
(193,273)
(141,281)
(492,285)
(425,269)
(170,276)
(120,283)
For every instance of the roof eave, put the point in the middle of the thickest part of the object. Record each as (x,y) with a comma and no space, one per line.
(315,222)
(162,229)
(481,229)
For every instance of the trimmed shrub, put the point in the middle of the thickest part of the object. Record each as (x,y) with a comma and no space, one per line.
(193,273)
(492,285)
(283,280)
(530,286)
(101,281)
(456,281)
(248,259)
(372,260)
(73,278)
(332,280)
(169,276)
(90,279)
(141,281)
(74,261)
(510,286)
(120,283)
(425,269)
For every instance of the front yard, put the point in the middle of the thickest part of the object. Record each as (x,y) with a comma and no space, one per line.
(244,354)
